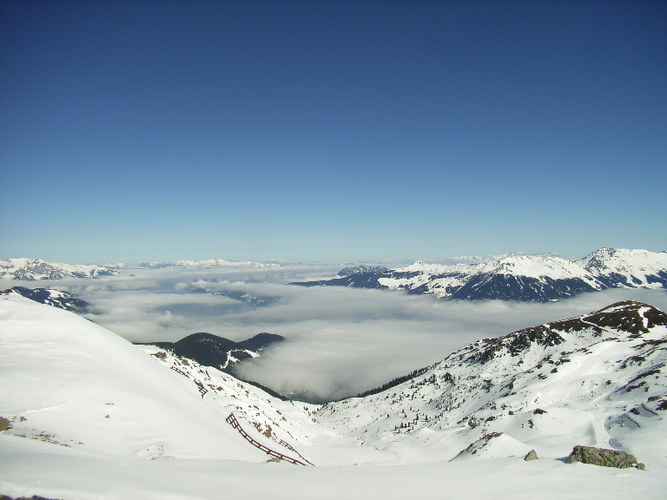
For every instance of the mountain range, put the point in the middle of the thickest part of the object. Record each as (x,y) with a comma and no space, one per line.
(207,263)
(83,411)
(37,269)
(522,277)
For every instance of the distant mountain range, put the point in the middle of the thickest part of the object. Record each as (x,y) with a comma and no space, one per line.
(522,277)
(207,263)
(37,269)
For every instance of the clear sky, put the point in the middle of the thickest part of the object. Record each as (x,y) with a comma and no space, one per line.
(356,131)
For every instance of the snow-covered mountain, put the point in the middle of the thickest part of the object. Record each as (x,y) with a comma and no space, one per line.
(37,269)
(85,414)
(523,277)
(598,379)
(616,267)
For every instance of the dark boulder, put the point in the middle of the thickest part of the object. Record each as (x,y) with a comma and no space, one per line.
(603,457)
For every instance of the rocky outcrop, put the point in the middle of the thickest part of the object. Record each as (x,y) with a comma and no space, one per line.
(4,424)
(604,457)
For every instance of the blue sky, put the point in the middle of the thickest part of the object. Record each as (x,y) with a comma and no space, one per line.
(351,131)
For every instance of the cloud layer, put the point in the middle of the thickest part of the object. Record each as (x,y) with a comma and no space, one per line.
(341,341)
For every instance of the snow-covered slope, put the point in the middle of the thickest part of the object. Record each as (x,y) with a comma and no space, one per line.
(598,380)
(37,269)
(524,277)
(70,382)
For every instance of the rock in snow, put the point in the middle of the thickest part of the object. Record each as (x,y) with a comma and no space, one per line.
(604,457)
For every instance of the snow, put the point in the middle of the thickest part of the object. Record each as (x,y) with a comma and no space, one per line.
(94,416)
(35,468)
(85,386)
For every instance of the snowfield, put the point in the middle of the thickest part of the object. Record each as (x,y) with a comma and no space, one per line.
(91,416)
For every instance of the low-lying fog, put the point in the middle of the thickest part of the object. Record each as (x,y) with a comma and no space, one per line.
(341,341)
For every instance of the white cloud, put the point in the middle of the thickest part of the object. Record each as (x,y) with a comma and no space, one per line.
(341,341)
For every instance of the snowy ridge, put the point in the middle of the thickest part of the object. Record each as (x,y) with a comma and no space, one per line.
(439,279)
(37,269)
(424,268)
(536,266)
(627,267)
(55,298)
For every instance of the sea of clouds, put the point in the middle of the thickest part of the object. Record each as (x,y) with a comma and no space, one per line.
(341,341)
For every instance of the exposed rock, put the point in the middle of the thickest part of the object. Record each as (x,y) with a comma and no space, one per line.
(531,455)
(603,457)
(4,424)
